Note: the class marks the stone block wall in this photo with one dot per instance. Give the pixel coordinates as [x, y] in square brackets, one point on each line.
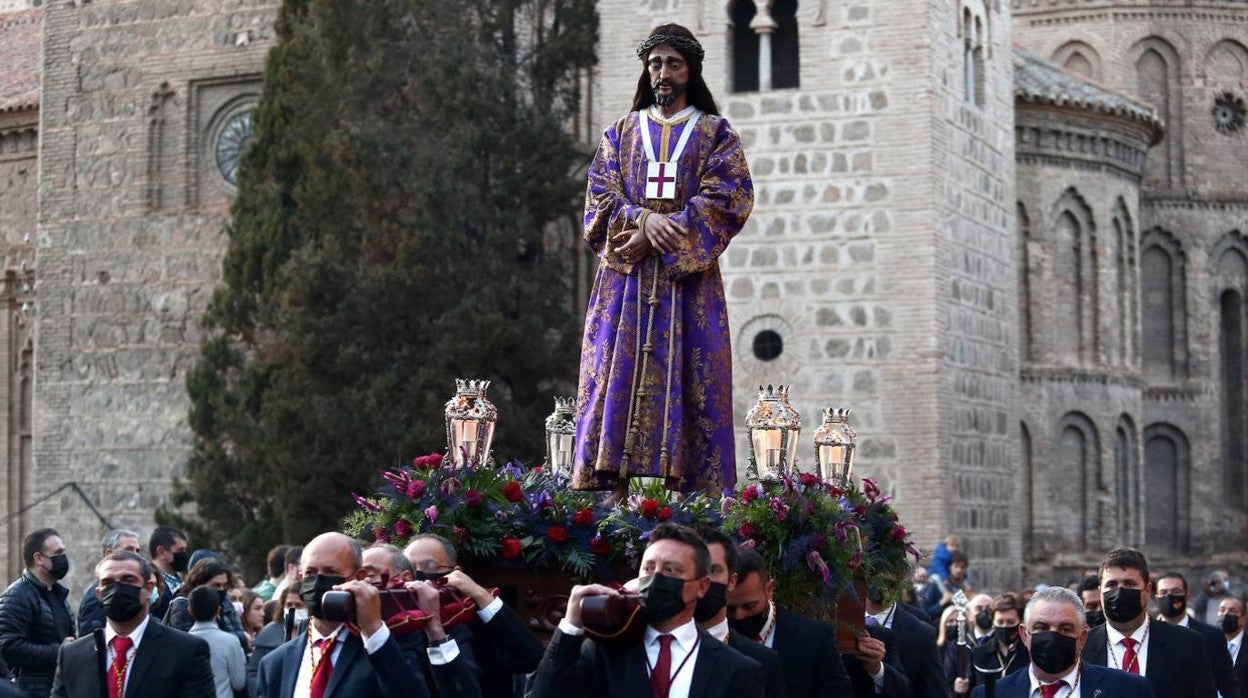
[130, 234]
[878, 250]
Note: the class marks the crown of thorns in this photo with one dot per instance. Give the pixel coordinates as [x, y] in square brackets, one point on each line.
[687, 46]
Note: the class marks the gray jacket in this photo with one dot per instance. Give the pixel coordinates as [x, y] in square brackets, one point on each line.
[229, 666]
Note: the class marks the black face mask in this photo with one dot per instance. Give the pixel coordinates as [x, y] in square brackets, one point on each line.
[1006, 635]
[1172, 606]
[1094, 618]
[662, 597]
[1229, 624]
[121, 602]
[312, 588]
[428, 576]
[712, 603]
[1121, 604]
[1053, 652]
[60, 566]
[749, 626]
[180, 561]
[983, 620]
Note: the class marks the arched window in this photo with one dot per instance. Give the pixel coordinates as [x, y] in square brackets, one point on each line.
[1078, 465]
[1029, 488]
[743, 47]
[1023, 258]
[1167, 479]
[1079, 58]
[1125, 478]
[1075, 336]
[1231, 283]
[1157, 82]
[764, 49]
[1123, 340]
[1163, 306]
[973, 28]
[785, 53]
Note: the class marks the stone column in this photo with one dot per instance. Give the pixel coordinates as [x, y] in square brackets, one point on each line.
[764, 26]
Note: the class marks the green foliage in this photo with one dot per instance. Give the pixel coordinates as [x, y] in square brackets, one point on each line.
[389, 235]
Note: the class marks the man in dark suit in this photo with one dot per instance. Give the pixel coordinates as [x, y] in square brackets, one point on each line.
[504, 646]
[916, 641]
[811, 662]
[673, 657]
[1004, 654]
[1054, 633]
[1231, 623]
[144, 658]
[1172, 599]
[711, 613]
[341, 664]
[877, 669]
[1172, 658]
[458, 677]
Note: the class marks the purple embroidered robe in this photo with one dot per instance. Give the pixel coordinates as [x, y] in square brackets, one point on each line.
[655, 355]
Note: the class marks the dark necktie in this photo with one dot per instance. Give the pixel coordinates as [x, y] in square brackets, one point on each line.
[1049, 690]
[1130, 661]
[322, 667]
[661, 675]
[117, 672]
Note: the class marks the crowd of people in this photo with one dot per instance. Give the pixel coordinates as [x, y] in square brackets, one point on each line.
[158, 621]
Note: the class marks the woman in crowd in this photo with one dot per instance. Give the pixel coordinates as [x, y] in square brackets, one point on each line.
[213, 572]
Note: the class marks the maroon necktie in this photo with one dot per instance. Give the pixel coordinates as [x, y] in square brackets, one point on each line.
[661, 675]
[322, 667]
[1130, 662]
[1049, 690]
[117, 672]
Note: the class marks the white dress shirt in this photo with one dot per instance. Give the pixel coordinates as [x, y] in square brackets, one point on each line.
[1116, 647]
[136, 636]
[769, 627]
[720, 630]
[684, 647]
[372, 643]
[1233, 646]
[491, 609]
[885, 617]
[1070, 690]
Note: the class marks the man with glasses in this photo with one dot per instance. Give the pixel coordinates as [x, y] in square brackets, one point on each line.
[1054, 634]
[1172, 600]
[1231, 623]
[504, 646]
[1173, 659]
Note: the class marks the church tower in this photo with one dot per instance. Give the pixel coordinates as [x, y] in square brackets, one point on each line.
[1172, 472]
[877, 270]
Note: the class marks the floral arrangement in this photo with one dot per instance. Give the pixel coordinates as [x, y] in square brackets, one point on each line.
[815, 537]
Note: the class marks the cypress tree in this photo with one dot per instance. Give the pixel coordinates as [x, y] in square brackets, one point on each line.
[391, 233]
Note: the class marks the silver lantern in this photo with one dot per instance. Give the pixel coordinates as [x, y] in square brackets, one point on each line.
[470, 420]
[561, 437]
[835, 443]
[774, 426]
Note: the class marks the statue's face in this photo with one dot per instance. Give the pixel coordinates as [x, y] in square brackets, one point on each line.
[669, 74]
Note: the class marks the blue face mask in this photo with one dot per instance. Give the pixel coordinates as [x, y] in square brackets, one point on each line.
[155, 596]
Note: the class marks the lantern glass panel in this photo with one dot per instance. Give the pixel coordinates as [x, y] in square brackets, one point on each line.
[767, 450]
[559, 448]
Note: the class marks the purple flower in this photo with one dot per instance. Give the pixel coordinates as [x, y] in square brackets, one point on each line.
[359, 499]
[870, 489]
[781, 509]
[431, 513]
[451, 486]
[513, 470]
[726, 505]
[500, 515]
[542, 500]
[749, 544]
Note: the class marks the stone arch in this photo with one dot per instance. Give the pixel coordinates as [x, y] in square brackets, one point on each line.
[1076, 468]
[1230, 281]
[1123, 287]
[1076, 338]
[1079, 58]
[1028, 476]
[1167, 472]
[742, 46]
[1126, 480]
[1023, 260]
[973, 29]
[1163, 306]
[1158, 70]
[1225, 64]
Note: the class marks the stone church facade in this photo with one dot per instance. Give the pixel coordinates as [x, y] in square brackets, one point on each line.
[1021, 268]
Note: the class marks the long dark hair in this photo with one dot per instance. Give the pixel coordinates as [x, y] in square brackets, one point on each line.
[698, 94]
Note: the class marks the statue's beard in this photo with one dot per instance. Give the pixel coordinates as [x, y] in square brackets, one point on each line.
[664, 99]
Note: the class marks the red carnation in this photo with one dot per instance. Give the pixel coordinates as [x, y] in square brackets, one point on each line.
[746, 530]
[665, 513]
[513, 492]
[600, 545]
[649, 508]
[537, 469]
[558, 534]
[584, 517]
[899, 532]
[808, 480]
[473, 498]
[415, 488]
[380, 535]
[749, 494]
[511, 548]
[430, 462]
[402, 528]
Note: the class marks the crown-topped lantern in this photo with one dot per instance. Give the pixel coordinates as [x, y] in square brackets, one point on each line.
[774, 426]
[561, 437]
[470, 420]
[835, 443]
